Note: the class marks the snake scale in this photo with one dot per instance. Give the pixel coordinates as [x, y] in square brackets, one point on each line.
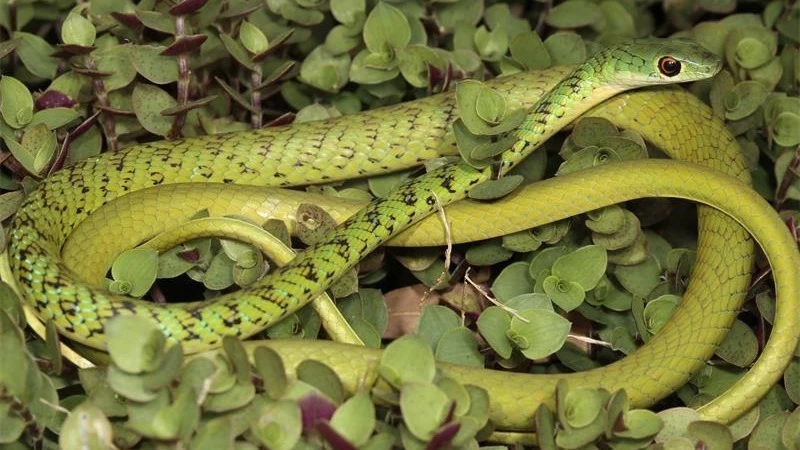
[403, 136]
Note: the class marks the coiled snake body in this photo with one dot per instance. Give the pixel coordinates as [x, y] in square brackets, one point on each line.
[403, 136]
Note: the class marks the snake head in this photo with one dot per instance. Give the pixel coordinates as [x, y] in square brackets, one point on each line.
[645, 62]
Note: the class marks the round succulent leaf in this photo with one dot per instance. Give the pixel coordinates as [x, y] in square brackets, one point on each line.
[137, 266]
[151, 64]
[424, 407]
[36, 55]
[493, 323]
[530, 301]
[472, 95]
[488, 253]
[490, 106]
[659, 310]
[521, 242]
[676, 421]
[744, 99]
[491, 45]
[589, 157]
[252, 38]
[767, 434]
[396, 361]
[451, 15]
[54, 117]
[85, 428]
[529, 50]
[323, 70]
[276, 424]
[790, 436]
[574, 14]
[566, 48]
[239, 395]
[577, 438]
[585, 266]
[752, 52]
[740, 346]
[348, 12]
[791, 380]
[769, 74]
[20, 374]
[544, 259]
[382, 185]
[623, 238]
[582, 406]
[16, 103]
[13, 424]
[456, 392]
[40, 145]
[362, 72]
[617, 22]
[167, 371]
[385, 29]
[77, 30]
[542, 334]
[591, 131]
[148, 103]
[134, 356]
[434, 322]
[710, 435]
[494, 189]
[459, 346]
[355, 419]
[606, 220]
[639, 279]
[639, 424]
[129, 386]
[512, 281]
[322, 377]
[786, 129]
[568, 295]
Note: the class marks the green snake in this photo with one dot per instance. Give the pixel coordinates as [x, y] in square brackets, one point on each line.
[400, 137]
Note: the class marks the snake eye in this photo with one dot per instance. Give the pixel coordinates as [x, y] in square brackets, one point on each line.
[669, 66]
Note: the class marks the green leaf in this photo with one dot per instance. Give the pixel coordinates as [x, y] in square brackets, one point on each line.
[355, 419]
[542, 335]
[386, 29]
[491, 45]
[585, 266]
[639, 279]
[148, 103]
[151, 64]
[574, 14]
[487, 253]
[16, 102]
[396, 361]
[321, 377]
[740, 346]
[566, 48]
[459, 346]
[325, 71]
[582, 406]
[786, 129]
[568, 295]
[434, 322]
[135, 356]
[348, 12]
[252, 38]
[640, 424]
[493, 189]
[512, 281]
[493, 324]
[85, 428]
[529, 50]
[36, 55]
[744, 99]
[424, 407]
[137, 267]
[54, 117]
[77, 30]
[659, 310]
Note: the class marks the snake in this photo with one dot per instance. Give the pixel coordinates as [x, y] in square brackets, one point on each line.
[404, 136]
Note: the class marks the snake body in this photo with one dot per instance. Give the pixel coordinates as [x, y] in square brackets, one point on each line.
[367, 142]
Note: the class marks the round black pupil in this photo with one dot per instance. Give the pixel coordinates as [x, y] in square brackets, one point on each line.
[670, 65]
